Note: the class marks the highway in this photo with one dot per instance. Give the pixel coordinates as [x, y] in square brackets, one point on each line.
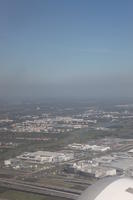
[42, 190]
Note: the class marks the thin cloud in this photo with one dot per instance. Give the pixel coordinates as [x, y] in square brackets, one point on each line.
[95, 50]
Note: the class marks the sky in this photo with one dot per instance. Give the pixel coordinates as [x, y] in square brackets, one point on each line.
[66, 48]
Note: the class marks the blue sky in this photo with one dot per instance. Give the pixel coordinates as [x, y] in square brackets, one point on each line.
[66, 48]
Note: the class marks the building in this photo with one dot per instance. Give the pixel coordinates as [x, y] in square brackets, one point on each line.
[45, 157]
[7, 162]
[92, 169]
[110, 189]
[98, 172]
[130, 151]
[77, 146]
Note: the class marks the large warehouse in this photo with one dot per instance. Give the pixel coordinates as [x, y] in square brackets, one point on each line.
[110, 189]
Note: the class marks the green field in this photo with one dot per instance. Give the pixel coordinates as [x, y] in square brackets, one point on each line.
[17, 195]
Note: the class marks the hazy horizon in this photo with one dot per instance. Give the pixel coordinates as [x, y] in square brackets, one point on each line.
[63, 48]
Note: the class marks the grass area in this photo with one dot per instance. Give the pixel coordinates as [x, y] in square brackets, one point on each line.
[17, 195]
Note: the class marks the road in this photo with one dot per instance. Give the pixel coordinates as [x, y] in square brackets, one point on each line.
[42, 190]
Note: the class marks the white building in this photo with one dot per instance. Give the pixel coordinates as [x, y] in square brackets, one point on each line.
[7, 162]
[77, 146]
[103, 172]
[45, 156]
[92, 168]
[130, 151]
